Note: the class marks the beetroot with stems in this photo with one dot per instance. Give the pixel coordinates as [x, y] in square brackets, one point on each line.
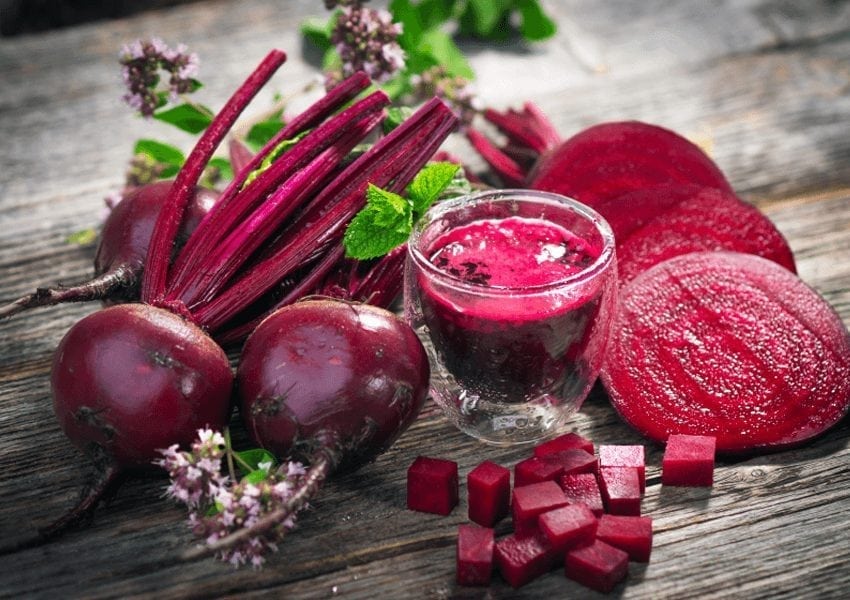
[728, 345]
[330, 382]
[122, 247]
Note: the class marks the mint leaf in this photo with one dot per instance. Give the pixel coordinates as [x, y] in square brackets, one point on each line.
[160, 152]
[485, 15]
[188, 117]
[429, 183]
[384, 223]
[396, 115]
[536, 25]
[255, 477]
[252, 458]
[318, 32]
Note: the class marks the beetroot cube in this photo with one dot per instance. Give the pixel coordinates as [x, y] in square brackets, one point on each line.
[567, 441]
[432, 485]
[568, 527]
[598, 566]
[574, 460]
[489, 489]
[620, 487]
[523, 558]
[582, 488]
[612, 455]
[632, 535]
[688, 460]
[474, 554]
[530, 501]
[534, 470]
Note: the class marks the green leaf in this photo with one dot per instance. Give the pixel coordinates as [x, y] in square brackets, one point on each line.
[84, 237]
[396, 115]
[536, 24]
[406, 13]
[429, 183]
[442, 49]
[255, 477]
[223, 165]
[485, 15]
[261, 132]
[188, 117]
[433, 13]
[255, 456]
[384, 223]
[160, 152]
[318, 32]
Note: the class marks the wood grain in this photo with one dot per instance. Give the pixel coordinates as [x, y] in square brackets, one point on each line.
[763, 85]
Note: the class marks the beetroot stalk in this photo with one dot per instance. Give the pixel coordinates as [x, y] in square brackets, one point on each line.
[326, 147]
[222, 218]
[505, 167]
[155, 274]
[412, 144]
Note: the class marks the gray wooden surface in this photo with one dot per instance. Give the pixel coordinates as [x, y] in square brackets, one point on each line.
[764, 85]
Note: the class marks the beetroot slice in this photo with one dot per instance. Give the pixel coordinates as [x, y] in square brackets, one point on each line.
[652, 225]
[610, 159]
[728, 345]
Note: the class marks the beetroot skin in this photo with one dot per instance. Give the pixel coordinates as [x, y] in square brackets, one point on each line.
[328, 374]
[610, 159]
[131, 379]
[727, 345]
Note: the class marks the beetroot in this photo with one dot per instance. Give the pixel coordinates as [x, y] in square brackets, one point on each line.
[474, 554]
[567, 441]
[632, 535]
[574, 460]
[598, 566]
[568, 527]
[583, 488]
[530, 501]
[728, 345]
[688, 460]
[488, 489]
[432, 485]
[523, 558]
[657, 223]
[534, 470]
[121, 251]
[620, 487]
[617, 455]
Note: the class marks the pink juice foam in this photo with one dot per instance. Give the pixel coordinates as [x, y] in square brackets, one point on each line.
[528, 327]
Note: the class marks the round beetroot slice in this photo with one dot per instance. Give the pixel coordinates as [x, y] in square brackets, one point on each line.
[610, 159]
[730, 345]
[670, 220]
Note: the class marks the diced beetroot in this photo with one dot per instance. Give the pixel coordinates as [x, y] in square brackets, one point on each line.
[583, 488]
[530, 501]
[632, 535]
[610, 159]
[522, 558]
[534, 470]
[568, 526]
[688, 460]
[574, 460]
[598, 566]
[653, 224]
[729, 345]
[568, 441]
[474, 554]
[432, 485]
[489, 493]
[620, 487]
[613, 455]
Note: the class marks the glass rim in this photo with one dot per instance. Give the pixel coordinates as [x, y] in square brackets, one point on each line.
[439, 209]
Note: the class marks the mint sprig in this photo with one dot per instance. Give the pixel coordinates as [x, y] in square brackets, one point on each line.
[388, 218]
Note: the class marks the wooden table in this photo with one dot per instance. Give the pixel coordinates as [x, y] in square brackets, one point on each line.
[763, 85]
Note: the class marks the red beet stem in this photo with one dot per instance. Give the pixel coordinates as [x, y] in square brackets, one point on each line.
[383, 281]
[223, 217]
[240, 155]
[98, 288]
[391, 162]
[234, 250]
[155, 275]
[323, 464]
[529, 128]
[507, 168]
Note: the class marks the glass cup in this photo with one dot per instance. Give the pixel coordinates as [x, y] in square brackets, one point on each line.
[511, 362]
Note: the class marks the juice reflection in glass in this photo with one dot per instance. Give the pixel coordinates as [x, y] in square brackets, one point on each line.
[512, 292]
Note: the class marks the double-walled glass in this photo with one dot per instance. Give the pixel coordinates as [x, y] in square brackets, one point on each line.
[511, 363]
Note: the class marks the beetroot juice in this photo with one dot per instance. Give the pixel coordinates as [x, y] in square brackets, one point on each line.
[512, 293]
